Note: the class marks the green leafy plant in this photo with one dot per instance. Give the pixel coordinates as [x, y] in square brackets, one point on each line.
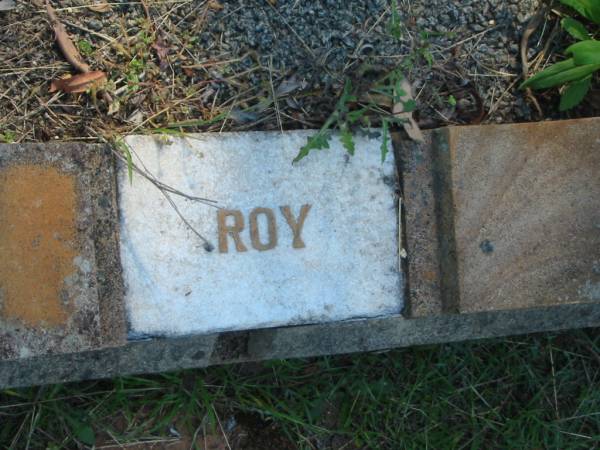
[8, 137]
[590, 9]
[124, 148]
[395, 26]
[576, 72]
[355, 113]
[85, 47]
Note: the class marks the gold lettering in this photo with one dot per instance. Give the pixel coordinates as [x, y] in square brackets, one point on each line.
[254, 237]
[230, 230]
[296, 225]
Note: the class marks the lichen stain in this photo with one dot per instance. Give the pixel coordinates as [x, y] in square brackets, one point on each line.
[37, 244]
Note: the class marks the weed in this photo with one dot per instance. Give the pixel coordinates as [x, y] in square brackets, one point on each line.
[395, 25]
[125, 150]
[134, 70]
[575, 73]
[85, 47]
[354, 112]
[8, 137]
[452, 100]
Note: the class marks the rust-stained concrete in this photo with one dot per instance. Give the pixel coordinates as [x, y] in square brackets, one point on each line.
[38, 244]
[59, 273]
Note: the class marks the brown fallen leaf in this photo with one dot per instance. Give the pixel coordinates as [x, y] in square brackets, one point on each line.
[100, 7]
[79, 83]
[410, 124]
[162, 51]
[215, 5]
[64, 42]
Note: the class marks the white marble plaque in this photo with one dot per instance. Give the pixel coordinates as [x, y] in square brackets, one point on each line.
[293, 244]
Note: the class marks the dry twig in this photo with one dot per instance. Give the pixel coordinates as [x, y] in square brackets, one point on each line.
[67, 47]
[167, 191]
[532, 25]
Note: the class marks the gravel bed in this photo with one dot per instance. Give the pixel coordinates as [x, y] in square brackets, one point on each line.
[230, 58]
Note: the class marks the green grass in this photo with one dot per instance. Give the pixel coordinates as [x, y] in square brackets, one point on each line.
[533, 392]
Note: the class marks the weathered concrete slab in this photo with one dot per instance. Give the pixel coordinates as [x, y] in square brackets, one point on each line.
[309, 243]
[445, 182]
[422, 226]
[527, 213]
[51, 300]
[160, 355]
[513, 217]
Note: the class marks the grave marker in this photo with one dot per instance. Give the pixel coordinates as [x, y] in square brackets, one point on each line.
[500, 236]
[309, 243]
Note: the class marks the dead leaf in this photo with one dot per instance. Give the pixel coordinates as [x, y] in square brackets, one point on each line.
[7, 5]
[137, 117]
[67, 47]
[410, 124]
[114, 107]
[290, 85]
[79, 83]
[377, 99]
[241, 116]
[162, 51]
[100, 7]
[215, 5]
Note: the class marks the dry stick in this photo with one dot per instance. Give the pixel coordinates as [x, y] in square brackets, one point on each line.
[166, 16]
[166, 191]
[221, 427]
[554, 384]
[362, 40]
[160, 185]
[147, 12]
[494, 106]
[532, 25]
[207, 245]
[547, 45]
[274, 95]
[194, 9]
[32, 112]
[68, 49]
[95, 33]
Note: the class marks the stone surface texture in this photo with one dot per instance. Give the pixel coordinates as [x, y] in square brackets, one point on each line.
[343, 263]
[527, 213]
[51, 300]
[513, 215]
[161, 355]
[421, 226]
[155, 355]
